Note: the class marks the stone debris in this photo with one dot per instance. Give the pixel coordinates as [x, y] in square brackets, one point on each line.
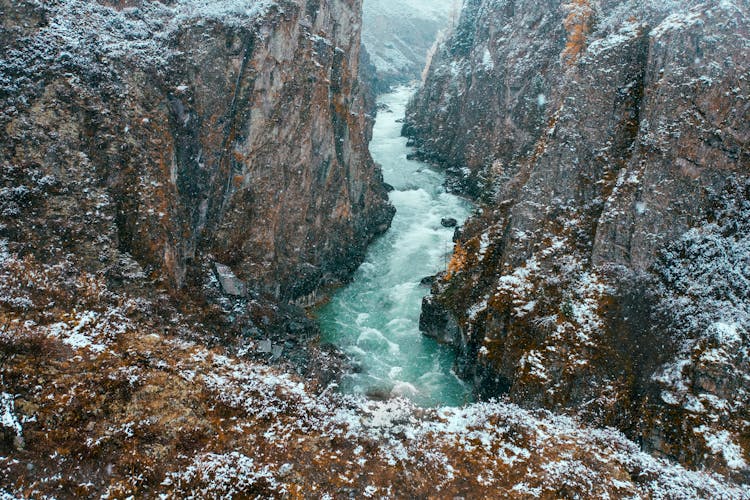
[230, 283]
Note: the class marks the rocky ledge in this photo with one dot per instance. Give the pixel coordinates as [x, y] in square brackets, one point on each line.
[607, 274]
[170, 133]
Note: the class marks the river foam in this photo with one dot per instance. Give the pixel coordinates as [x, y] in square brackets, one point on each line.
[375, 319]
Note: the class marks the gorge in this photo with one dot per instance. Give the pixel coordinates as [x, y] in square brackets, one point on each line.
[183, 183]
[376, 317]
[607, 276]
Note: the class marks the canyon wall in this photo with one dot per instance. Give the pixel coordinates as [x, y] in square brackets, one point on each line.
[182, 134]
[400, 35]
[606, 272]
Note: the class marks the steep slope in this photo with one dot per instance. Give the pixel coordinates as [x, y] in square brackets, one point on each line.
[196, 169]
[234, 131]
[608, 144]
[399, 35]
[152, 416]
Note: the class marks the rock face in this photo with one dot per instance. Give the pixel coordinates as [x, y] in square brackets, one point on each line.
[179, 134]
[607, 274]
[400, 35]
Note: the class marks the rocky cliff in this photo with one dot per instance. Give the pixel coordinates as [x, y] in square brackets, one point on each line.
[190, 168]
[184, 133]
[400, 35]
[181, 168]
[606, 273]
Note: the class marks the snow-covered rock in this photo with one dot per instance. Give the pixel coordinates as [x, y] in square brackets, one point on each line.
[606, 141]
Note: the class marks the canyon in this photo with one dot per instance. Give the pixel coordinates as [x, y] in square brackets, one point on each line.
[185, 134]
[171, 151]
[183, 182]
[400, 35]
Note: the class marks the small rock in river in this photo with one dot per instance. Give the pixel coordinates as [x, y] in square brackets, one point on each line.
[378, 394]
[448, 222]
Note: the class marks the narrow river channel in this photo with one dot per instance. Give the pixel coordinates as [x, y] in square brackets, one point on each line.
[375, 319]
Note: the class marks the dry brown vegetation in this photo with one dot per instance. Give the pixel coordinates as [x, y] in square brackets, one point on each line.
[111, 406]
[458, 261]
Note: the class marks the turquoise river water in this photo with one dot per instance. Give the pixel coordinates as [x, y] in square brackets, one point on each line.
[375, 318]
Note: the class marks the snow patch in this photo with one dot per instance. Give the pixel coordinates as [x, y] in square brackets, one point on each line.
[8, 417]
[625, 34]
[725, 333]
[675, 22]
[90, 330]
[672, 376]
[4, 254]
[534, 361]
[721, 443]
[487, 63]
[227, 474]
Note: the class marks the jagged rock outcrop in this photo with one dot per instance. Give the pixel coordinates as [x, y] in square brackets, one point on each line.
[181, 133]
[608, 145]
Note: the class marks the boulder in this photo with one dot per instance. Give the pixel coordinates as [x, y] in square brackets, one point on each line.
[427, 281]
[230, 283]
[437, 322]
[265, 347]
[448, 222]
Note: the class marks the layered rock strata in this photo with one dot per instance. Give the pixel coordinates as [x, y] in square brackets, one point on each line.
[606, 273]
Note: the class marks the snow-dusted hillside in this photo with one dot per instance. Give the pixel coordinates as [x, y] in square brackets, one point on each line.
[101, 405]
[175, 175]
[400, 34]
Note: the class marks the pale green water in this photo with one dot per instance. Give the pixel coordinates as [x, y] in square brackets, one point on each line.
[375, 319]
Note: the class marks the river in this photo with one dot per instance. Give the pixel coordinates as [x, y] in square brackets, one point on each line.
[375, 318]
